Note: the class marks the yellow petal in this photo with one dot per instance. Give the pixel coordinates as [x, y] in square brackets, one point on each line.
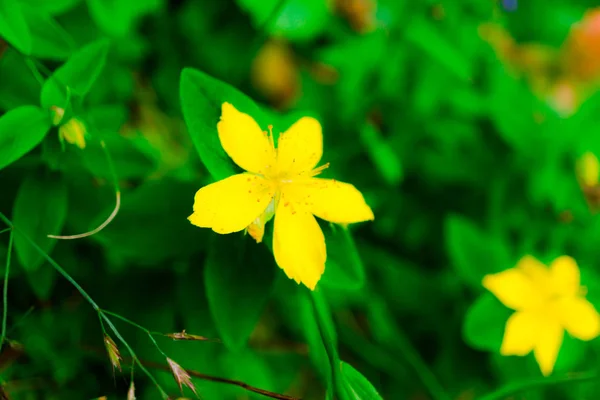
[537, 272]
[514, 289]
[300, 148]
[298, 244]
[244, 141]
[565, 276]
[579, 317]
[331, 200]
[549, 340]
[230, 205]
[520, 334]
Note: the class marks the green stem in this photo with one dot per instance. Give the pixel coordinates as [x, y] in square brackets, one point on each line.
[86, 296]
[518, 387]
[133, 355]
[5, 290]
[5, 230]
[325, 325]
[147, 331]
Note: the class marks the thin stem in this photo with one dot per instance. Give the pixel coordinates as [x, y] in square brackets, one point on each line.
[518, 387]
[139, 327]
[133, 355]
[211, 378]
[115, 211]
[86, 296]
[5, 290]
[5, 230]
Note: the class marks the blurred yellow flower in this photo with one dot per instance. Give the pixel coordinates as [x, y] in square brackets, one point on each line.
[588, 169]
[275, 73]
[279, 182]
[74, 132]
[547, 301]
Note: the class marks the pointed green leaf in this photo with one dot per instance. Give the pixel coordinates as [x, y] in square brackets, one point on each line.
[344, 268]
[13, 26]
[239, 276]
[201, 100]
[40, 210]
[473, 253]
[358, 386]
[53, 7]
[49, 39]
[78, 74]
[21, 130]
[484, 322]
[19, 86]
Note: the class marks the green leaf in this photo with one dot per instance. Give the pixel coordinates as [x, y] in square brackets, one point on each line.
[425, 35]
[53, 7]
[296, 20]
[344, 268]
[239, 276]
[13, 27]
[21, 130]
[382, 155]
[358, 386]
[484, 323]
[473, 253]
[78, 74]
[19, 86]
[40, 209]
[201, 100]
[49, 39]
[116, 17]
[42, 281]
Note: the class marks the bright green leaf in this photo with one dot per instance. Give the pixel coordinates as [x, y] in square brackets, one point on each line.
[19, 86]
[21, 130]
[425, 35]
[49, 39]
[483, 327]
[238, 276]
[382, 155]
[201, 100]
[78, 74]
[294, 19]
[358, 386]
[40, 209]
[13, 27]
[53, 7]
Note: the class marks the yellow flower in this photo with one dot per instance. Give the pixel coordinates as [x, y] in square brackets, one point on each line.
[279, 182]
[588, 169]
[73, 132]
[547, 301]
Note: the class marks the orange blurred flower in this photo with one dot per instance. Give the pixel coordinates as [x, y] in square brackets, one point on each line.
[565, 77]
[359, 13]
[274, 72]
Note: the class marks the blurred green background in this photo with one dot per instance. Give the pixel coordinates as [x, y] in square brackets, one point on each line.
[460, 121]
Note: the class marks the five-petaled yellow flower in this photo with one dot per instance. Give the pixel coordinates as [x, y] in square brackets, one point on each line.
[547, 301]
[278, 182]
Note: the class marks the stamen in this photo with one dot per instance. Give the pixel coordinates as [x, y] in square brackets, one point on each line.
[318, 170]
